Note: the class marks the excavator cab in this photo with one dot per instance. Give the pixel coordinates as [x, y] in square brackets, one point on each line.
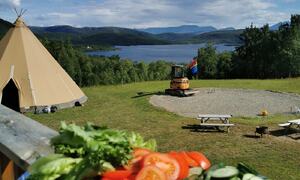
[178, 79]
[177, 71]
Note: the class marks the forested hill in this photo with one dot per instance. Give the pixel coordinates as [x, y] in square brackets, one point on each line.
[122, 36]
[221, 36]
[4, 26]
[98, 36]
[184, 29]
[217, 37]
[91, 35]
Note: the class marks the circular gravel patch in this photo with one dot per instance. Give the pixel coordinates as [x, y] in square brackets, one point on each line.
[237, 102]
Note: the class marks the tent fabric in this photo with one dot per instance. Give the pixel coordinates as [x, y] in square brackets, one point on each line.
[40, 80]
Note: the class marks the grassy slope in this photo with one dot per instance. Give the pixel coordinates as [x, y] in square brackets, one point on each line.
[114, 106]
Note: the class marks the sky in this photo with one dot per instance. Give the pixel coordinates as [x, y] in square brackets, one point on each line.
[151, 13]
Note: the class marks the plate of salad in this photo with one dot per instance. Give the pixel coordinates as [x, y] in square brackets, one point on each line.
[93, 152]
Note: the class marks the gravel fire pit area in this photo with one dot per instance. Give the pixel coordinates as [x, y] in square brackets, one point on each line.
[237, 102]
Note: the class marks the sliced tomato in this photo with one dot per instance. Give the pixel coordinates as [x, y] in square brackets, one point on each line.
[151, 172]
[200, 158]
[165, 163]
[191, 162]
[137, 152]
[121, 168]
[131, 177]
[184, 166]
[135, 163]
[116, 175]
[103, 178]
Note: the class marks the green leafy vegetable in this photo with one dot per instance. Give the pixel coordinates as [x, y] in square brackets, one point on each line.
[103, 148]
[80, 171]
[52, 167]
[137, 141]
[87, 151]
[108, 146]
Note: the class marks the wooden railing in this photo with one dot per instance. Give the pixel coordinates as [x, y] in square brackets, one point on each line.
[22, 141]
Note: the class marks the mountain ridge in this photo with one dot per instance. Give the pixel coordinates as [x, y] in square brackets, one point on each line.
[111, 36]
[183, 29]
[4, 26]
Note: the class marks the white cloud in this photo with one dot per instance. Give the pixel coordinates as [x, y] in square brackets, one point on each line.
[61, 15]
[289, 1]
[153, 13]
[10, 3]
[241, 13]
[131, 13]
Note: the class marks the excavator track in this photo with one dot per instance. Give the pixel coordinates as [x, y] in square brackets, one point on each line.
[180, 92]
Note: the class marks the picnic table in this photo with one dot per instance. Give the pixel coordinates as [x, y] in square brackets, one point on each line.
[291, 123]
[219, 126]
[295, 122]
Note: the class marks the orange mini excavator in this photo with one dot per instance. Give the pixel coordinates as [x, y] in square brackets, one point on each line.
[179, 85]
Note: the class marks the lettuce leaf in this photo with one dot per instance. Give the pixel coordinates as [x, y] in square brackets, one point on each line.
[137, 141]
[52, 166]
[87, 151]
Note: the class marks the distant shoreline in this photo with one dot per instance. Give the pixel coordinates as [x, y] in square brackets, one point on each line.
[179, 53]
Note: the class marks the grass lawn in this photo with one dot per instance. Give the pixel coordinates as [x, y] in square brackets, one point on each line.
[115, 107]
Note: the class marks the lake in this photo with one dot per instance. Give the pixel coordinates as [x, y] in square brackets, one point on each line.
[179, 53]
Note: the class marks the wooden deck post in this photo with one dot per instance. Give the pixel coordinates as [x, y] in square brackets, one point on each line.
[8, 171]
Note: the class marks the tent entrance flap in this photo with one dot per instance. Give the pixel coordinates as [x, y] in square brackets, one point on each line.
[10, 96]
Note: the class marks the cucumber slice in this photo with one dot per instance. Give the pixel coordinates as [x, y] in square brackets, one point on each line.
[248, 176]
[195, 170]
[235, 178]
[193, 177]
[212, 169]
[226, 172]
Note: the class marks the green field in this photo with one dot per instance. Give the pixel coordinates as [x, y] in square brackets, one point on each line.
[117, 107]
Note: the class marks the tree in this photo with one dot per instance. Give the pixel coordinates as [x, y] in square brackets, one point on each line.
[142, 71]
[159, 70]
[207, 61]
[247, 55]
[269, 54]
[224, 65]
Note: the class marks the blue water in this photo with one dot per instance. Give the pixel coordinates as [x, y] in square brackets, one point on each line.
[179, 53]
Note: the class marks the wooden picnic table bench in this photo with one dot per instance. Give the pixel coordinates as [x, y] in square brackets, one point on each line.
[289, 124]
[205, 117]
[296, 121]
[219, 126]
